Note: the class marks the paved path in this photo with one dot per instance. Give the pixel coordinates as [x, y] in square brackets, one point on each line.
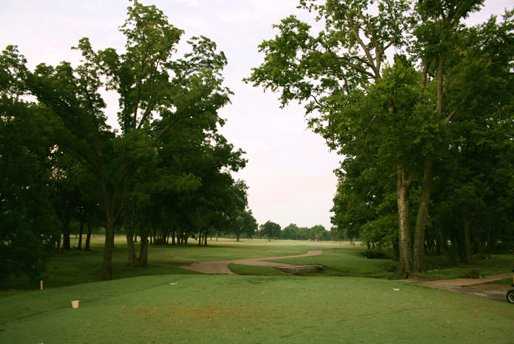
[483, 287]
[464, 282]
[221, 266]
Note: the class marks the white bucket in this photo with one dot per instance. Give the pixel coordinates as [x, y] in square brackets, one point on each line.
[75, 304]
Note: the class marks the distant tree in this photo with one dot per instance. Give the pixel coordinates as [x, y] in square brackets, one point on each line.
[318, 233]
[244, 224]
[270, 230]
[291, 232]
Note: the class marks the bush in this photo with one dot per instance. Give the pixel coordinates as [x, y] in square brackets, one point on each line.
[374, 254]
[473, 273]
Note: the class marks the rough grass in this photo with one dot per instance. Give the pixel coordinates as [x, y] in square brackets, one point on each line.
[242, 309]
[484, 266]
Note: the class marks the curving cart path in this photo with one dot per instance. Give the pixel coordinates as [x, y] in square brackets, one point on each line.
[221, 266]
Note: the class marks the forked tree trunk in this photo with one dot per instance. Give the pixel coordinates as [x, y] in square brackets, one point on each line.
[422, 218]
[424, 202]
[402, 189]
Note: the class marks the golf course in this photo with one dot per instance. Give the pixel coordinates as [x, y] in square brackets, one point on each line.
[257, 172]
[352, 300]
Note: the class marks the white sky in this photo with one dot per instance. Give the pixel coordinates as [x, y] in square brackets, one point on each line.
[290, 170]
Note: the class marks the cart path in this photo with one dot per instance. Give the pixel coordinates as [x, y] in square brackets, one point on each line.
[221, 266]
[464, 282]
[483, 287]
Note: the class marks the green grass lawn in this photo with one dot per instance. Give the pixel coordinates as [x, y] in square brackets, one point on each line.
[247, 270]
[75, 267]
[244, 309]
[338, 258]
[347, 261]
[492, 265]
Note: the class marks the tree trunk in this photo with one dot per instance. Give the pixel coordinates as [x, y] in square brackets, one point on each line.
[440, 86]
[108, 247]
[131, 248]
[422, 218]
[81, 231]
[466, 252]
[237, 236]
[88, 237]
[66, 234]
[402, 188]
[143, 250]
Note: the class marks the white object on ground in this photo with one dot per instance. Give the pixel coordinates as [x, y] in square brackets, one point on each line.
[396, 289]
[75, 304]
[174, 283]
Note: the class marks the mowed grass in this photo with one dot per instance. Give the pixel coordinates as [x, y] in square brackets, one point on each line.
[76, 267]
[245, 309]
[347, 261]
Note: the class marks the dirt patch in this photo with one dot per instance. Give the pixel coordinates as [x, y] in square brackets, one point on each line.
[221, 266]
[483, 287]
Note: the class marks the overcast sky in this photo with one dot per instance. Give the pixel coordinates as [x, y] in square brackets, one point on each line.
[290, 170]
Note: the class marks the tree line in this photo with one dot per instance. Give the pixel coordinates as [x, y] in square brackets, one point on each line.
[272, 230]
[163, 176]
[420, 107]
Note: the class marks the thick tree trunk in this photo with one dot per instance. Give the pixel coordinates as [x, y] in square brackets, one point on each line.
[143, 250]
[238, 235]
[402, 189]
[422, 218]
[108, 247]
[81, 231]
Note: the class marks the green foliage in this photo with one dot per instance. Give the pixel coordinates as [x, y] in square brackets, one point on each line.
[293, 232]
[270, 230]
[27, 219]
[167, 173]
[435, 120]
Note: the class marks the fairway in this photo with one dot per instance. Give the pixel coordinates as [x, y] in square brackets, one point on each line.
[237, 309]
